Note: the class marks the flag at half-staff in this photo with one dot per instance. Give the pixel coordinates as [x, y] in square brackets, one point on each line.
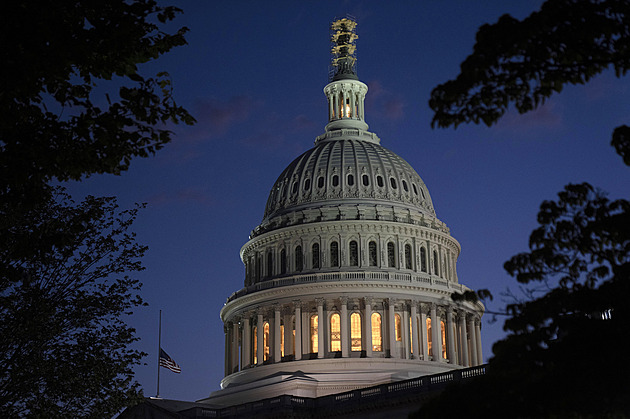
[167, 362]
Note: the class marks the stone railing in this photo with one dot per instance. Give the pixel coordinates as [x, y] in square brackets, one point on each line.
[349, 399]
[394, 277]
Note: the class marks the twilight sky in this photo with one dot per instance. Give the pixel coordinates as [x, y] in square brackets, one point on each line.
[253, 74]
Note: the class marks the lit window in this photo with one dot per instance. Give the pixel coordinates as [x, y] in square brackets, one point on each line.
[391, 257]
[443, 327]
[429, 340]
[377, 336]
[281, 340]
[334, 254]
[411, 334]
[355, 332]
[408, 256]
[266, 341]
[335, 333]
[373, 253]
[315, 251]
[299, 260]
[314, 334]
[398, 326]
[354, 253]
[350, 180]
[255, 351]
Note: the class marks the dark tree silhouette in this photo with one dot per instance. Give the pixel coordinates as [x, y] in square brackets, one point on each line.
[73, 104]
[559, 356]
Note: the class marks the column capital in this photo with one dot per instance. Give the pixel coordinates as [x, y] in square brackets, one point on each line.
[344, 300]
[413, 303]
[277, 307]
[319, 301]
[368, 301]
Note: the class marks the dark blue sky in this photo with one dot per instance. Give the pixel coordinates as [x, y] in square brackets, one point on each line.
[253, 75]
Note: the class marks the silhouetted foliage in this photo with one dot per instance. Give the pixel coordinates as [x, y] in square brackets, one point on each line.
[559, 358]
[74, 103]
[64, 350]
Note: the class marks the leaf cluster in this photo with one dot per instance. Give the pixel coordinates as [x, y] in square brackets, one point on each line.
[65, 350]
[73, 100]
[523, 62]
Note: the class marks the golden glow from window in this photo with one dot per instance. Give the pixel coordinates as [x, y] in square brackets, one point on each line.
[443, 327]
[377, 336]
[266, 341]
[398, 327]
[255, 351]
[411, 334]
[429, 340]
[355, 332]
[314, 334]
[335, 333]
[281, 340]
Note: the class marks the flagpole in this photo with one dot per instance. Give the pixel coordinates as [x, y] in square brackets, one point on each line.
[158, 355]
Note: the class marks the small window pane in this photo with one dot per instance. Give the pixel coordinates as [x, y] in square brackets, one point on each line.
[334, 254]
[373, 254]
[391, 257]
[299, 259]
[423, 259]
[408, 256]
[315, 251]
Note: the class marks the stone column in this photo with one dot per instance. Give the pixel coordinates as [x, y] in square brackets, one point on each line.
[234, 348]
[464, 339]
[473, 342]
[320, 328]
[246, 344]
[478, 339]
[435, 333]
[450, 338]
[260, 335]
[368, 326]
[298, 330]
[277, 354]
[345, 333]
[391, 326]
[414, 330]
[288, 328]
[424, 333]
[227, 350]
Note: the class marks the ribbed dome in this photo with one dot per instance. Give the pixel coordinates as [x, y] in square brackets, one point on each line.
[347, 170]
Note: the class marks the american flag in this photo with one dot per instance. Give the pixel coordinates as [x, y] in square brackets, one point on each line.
[168, 362]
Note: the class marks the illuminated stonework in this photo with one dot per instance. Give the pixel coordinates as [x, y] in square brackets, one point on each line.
[348, 277]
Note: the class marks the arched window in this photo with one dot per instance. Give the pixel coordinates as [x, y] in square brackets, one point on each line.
[393, 183]
[314, 334]
[320, 182]
[398, 327]
[379, 181]
[334, 254]
[373, 253]
[281, 340]
[350, 180]
[366, 180]
[429, 338]
[335, 180]
[408, 256]
[266, 341]
[269, 264]
[258, 267]
[391, 255]
[377, 333]
[283, 261]
[405, 187]
[315, 251]
[436, 264]
[443, 327]
[354, 253]
[294, 188]
[415, 190]
[255, 349]
[307, 184]
[355, 332]
[335, 333]
[423, 259]
[299, 259]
